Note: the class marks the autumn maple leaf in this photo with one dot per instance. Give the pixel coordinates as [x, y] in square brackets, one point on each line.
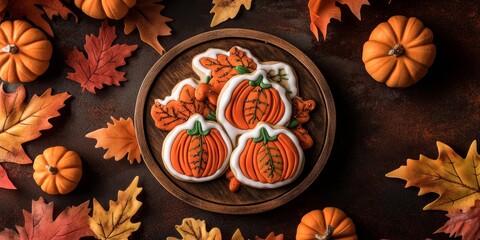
[321, 11]
[4, 181]
[271, 236]
[34, 9]
[103, 59]
[196, 229]
[119, 139]
[116, 222]
[465, 224]
[22, 122]
[72, 223]
[455, 179]
[146, 17]
[225, 9]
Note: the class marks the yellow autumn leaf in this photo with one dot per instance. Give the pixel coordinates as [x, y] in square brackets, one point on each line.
[119, 139]
[116, 222]
[237, 235]
[455, 179]
[194, 229]
[225, 9]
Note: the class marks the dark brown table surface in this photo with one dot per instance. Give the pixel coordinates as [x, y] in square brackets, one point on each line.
[378, 128]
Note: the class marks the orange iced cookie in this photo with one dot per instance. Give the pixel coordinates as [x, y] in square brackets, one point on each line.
[267, 157]
[197, 150]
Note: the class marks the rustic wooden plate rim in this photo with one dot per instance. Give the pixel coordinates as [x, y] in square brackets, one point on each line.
[243, 34]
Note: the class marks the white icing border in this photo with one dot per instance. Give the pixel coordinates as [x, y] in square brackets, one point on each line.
[291, 85]
[177, 90]
[255, 133]
[226, 94]
[169, 139]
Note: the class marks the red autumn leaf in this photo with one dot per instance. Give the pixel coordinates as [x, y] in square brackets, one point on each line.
[72, 223]
[4, 181]
[34, 9]
[465, 224]
[321, 11]
[103, 59]
[150, 23]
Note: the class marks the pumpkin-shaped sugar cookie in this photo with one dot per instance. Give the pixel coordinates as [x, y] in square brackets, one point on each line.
[247, 100]
[187, 99]
[197, 150]
[267, 157]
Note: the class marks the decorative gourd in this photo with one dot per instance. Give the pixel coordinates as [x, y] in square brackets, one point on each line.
[329, 223]
[197, 150]
[247, 100]
[25, 54]
[267, 157]
[100, 9]
[58, 170]
[399, 52]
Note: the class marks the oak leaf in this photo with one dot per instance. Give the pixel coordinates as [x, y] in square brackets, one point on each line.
[34, 9]
[465, 224]
[119, 139]
[72, 223]
[271, 236]
[146, 17]
[455, 179]
[116, 222]
[225, 9]
[194, 229]
[22, 122]
[103, 59]
[4, 181]
[321, 11]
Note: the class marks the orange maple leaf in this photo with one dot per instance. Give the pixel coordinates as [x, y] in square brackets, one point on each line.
[22, 122]
[321, 11]
[150, 23]
[71, 223]
[119, 139]
[455, 179]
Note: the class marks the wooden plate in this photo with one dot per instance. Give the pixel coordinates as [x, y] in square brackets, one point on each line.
[215, 196]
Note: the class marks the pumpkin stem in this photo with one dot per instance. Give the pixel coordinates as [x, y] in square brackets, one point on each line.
[10, 48]
[327, 235]
[197, 130]
[397, 50]
[264, 137]
[241, 69]
[52, 170]
[259, 82]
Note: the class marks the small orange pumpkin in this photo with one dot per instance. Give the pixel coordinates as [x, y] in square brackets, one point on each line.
[25, 54]
[399, 52]
[197, 150]
[58, 170]
[329, 223]
[101, 9]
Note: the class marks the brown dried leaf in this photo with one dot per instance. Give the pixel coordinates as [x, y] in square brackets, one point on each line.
[119, 139]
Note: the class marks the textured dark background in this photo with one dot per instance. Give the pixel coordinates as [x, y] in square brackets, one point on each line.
[378, 128]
